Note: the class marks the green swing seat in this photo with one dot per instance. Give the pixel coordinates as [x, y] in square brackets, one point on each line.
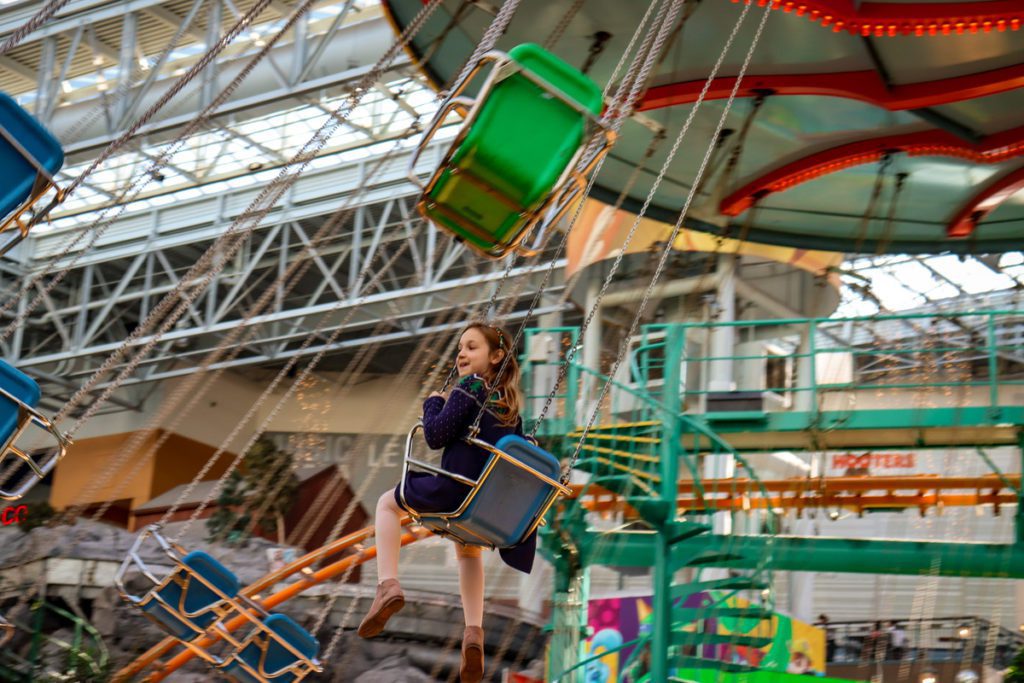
[516, 156]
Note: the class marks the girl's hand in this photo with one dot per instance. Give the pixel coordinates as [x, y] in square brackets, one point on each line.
[439, 394]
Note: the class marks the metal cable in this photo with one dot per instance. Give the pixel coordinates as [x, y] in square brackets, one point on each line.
[217, 255]
[623, 347]
[41, 17]
[559, 30]
[119, 204]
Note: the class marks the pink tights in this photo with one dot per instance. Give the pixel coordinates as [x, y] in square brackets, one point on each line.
[471, 565]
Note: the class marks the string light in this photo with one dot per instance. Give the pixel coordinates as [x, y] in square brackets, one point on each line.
[903, 18]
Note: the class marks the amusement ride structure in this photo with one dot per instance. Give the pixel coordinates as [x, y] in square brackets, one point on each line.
[641, 159]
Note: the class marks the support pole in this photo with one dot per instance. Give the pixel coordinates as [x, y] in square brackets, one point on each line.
[568, 619]
[669, 470]
[1019, 520]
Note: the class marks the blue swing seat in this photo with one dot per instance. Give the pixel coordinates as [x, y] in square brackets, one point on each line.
[21, 387]
[264, 657]
[506, 503]
[22, 180]
[19, 398]
[183, 605]
[510, 500]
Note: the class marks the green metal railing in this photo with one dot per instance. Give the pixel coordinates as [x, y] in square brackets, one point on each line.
[939, 352]
[964, 358]
[639, 457]
[85, 656]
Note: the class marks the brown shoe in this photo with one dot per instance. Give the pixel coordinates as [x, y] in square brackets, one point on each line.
[389, 600]
[472, 655]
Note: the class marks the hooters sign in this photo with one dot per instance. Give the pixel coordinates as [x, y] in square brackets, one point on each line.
[873, 461]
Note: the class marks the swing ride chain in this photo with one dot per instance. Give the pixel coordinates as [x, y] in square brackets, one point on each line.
[571, 353]
[489, 40]
[40, 18]
[559, 30]
[635, 79]
[120, 204]
[617, 112]
[234, 236]
[289, 279]
[624, 345]
[330, 225]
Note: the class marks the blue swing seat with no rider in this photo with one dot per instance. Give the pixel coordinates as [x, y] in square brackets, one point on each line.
[508, 501]
[262, 658]
[20, 176]
[18, 404]
[183, 605]
[20, 386]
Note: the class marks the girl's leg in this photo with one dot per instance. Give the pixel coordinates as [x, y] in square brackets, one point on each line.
[471, 583]
[389, 536]
[389, 598]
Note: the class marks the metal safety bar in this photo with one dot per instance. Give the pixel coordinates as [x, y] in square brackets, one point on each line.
[475, 484]
[27, 415]
[227, 606]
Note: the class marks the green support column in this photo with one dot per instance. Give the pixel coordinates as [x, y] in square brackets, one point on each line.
[669, 470]
[568, 620]
[1019, 522]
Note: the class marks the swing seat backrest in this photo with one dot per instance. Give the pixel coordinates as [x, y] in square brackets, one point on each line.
[182, 604]
[19, 173]
[264, 658]
[23, 388]
[515, 151]
[509, 499]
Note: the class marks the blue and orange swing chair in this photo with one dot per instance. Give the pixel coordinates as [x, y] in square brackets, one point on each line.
[195, 598]
[505, 504]
[30, 157]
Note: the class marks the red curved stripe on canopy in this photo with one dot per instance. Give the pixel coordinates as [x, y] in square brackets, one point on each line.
[985, 202]
[906, 18]
[993, 149]
[865, 86]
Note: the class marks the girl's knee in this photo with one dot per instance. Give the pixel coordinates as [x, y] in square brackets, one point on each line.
[467, 552]
[387, 501]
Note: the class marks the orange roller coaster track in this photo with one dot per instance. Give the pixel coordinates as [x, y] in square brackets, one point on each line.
[309, 579]
[860, 494]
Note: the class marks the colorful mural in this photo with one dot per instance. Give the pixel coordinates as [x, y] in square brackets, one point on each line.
[797, 647]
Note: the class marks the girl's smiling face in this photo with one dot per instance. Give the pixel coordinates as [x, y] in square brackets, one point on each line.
[475, 355]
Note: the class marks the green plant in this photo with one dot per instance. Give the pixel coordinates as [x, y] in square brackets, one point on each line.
[39, 514]
[1015, 674]
[257, 495]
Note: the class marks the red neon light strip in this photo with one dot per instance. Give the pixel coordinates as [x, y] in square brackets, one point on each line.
[865, 86]
[906, 18]
[985, 202]
[993, 149]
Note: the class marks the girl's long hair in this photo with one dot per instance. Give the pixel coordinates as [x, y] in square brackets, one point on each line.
[508, 399]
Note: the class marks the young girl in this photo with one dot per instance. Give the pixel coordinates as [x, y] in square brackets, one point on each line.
[446, 420]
